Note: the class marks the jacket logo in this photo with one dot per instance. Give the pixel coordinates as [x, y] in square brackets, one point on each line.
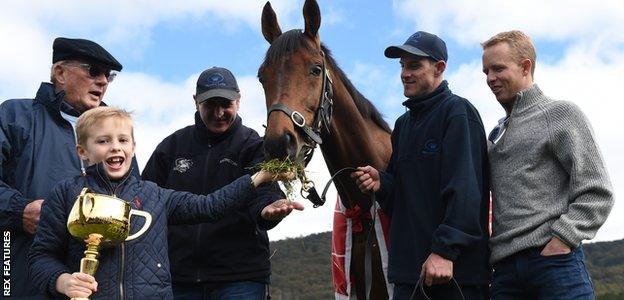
[228, 161]
[182, 165]
[137, 202]
[431, 147]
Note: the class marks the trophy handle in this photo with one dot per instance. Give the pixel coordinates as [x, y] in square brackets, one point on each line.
[81, 197]
[148, 222]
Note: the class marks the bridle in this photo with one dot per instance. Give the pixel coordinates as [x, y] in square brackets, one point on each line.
[312, 133]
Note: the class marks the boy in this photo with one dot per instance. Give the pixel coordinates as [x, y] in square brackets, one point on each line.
[139, 268]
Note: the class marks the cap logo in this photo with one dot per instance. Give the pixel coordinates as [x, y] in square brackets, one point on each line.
[215, 79]
[415, 36]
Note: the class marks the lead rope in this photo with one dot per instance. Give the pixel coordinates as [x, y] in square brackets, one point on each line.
[421, 283]
[367, 252]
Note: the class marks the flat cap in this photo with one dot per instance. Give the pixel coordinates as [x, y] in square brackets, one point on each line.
[64, 49]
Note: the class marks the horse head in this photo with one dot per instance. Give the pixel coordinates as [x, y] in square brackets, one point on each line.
[297, 86]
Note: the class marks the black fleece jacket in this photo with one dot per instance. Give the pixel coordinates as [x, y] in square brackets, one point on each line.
[436, 188]
[235, 248]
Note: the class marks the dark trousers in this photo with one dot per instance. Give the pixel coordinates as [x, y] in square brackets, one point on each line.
[529, 275]
[447, 291]
[241, 290]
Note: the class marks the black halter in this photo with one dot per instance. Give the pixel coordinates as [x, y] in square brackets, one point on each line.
[312, 133]
[322, 117]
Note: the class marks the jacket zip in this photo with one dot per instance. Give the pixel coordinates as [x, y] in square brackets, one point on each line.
[112, 191]
[199, 228]
[106, 181]
[121, 267]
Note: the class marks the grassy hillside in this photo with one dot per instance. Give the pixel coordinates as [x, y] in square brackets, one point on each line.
[302, 268]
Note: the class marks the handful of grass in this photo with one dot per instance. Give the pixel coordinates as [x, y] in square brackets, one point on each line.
[279, 166]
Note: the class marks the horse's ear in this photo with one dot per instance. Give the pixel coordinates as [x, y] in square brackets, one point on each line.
[312, 16]
[270, 28]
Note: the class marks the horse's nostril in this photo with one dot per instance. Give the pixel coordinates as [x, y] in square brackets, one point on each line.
[289, 137]
[291, 144]
[280, 147]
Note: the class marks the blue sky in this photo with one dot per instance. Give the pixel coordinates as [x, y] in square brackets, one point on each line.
[164, 45]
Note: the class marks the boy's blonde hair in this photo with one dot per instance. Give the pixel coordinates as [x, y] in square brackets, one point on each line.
[91, 117]
[520, 44]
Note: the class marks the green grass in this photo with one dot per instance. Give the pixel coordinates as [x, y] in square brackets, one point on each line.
[279, 166]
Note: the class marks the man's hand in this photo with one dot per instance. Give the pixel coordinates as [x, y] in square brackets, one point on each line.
[76, 285]
[367, 179]
[437, 270]
[555, 247]
[280, 209]
[30, 217]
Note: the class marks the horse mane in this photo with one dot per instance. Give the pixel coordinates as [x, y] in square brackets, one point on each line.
[293, 40]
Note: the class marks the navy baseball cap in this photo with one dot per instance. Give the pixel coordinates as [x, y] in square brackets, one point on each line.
[216, 82]
[420, 44]
[64, 49]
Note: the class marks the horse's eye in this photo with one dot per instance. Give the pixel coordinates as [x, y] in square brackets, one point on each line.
[316, 70]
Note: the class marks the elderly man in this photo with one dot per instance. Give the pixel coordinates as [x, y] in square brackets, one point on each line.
[436, 185]
[228, 259]
[38, 144]
[550, 188]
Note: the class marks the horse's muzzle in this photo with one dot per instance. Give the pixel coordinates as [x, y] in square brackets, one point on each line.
[281, 147]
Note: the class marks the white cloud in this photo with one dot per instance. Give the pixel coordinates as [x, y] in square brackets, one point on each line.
[471, 21]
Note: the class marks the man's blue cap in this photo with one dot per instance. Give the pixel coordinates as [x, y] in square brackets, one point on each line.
[420, 44]
[66, 49]
[216, 82]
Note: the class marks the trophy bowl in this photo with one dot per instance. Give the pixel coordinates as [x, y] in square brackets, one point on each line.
[105, 215]
[102, 221]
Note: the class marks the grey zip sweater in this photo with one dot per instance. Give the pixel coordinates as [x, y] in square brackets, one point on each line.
[547, 177]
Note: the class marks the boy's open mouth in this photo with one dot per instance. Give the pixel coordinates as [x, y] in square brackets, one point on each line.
[115, 162]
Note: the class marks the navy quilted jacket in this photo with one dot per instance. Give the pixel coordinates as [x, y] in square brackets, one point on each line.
[38, 150]
[137, 269]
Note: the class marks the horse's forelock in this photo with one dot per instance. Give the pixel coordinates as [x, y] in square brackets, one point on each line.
[285, 45]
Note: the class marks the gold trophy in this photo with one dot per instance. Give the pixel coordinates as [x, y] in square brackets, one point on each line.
[101, 221]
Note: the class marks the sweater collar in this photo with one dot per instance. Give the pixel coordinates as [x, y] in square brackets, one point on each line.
[425, 102]
[204, 135]
[527, 98]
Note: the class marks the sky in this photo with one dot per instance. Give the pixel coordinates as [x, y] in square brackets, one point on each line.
[165, 45]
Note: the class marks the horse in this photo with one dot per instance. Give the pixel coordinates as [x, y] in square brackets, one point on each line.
[311, 101]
